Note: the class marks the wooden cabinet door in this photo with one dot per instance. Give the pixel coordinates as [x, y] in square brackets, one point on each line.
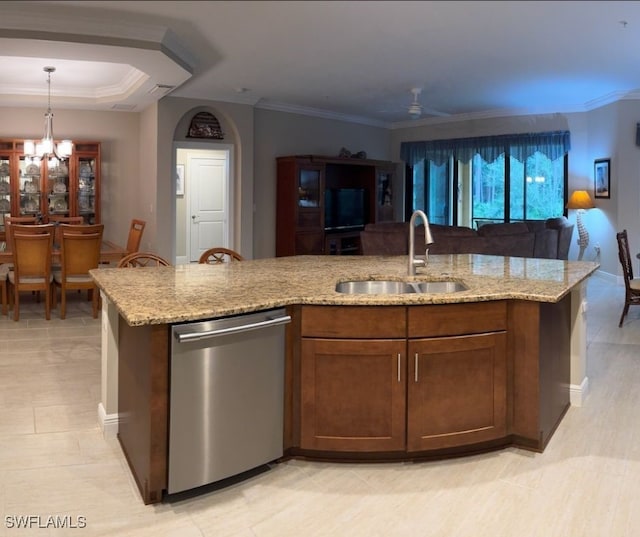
[353, 395]
[457, 390]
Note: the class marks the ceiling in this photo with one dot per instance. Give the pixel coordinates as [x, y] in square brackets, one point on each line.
[352, 60]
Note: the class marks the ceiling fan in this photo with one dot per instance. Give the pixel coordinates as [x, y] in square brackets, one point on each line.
[415, 108]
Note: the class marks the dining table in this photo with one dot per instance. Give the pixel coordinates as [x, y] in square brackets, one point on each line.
[109, 253]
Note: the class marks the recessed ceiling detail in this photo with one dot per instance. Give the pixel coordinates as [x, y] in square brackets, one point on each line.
[96, 71]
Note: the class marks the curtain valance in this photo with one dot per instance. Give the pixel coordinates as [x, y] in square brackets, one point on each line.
[520, 146]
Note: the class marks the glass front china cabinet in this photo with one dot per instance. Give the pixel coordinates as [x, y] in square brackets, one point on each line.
[6, 189]
[45, 188]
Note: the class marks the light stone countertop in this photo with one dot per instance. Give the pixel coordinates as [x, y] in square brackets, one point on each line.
[164, 295]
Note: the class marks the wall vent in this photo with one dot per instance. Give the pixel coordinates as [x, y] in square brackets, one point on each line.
[124, 107]
[161, 89]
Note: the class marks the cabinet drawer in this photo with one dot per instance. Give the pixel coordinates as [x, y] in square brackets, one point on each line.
[456, 319]
[354, 321]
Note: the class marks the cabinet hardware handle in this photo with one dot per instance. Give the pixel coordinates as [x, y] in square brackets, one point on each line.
[399, 359]
[415, 358]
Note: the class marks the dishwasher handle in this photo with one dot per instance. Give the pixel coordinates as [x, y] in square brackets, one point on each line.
[196, 336]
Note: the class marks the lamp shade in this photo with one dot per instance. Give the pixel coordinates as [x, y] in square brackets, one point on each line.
[580, 199]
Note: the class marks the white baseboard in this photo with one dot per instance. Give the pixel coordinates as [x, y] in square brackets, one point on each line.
[182, 260]
[108, 422]
[578, 392]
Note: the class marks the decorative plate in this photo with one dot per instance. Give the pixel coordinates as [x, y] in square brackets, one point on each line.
[31, 206]
[59, 187]
[84, 204]
[32, 169]
[5, 206]
[86, 170]
[4, 187]
[60, 205]
[4, 169]
[31, 188]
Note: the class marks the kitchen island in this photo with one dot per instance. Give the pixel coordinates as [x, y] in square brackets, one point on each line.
[367, 377]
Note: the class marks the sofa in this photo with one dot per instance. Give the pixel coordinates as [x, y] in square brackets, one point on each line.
[547, 239]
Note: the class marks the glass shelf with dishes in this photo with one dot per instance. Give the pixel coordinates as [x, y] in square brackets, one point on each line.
[58, 179]
[86, 204]
[5, 188]
[86, 192]
[30, 204]
[59, 203]
[31, 186]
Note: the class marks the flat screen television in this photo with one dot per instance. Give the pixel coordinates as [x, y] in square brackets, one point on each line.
[344, 208]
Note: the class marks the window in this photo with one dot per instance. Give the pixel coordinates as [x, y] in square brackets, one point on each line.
[431, 191]
[499, 179]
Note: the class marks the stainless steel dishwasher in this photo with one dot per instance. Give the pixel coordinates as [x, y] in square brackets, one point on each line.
[226, 397]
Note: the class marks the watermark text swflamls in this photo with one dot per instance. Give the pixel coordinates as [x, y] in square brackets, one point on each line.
[45, 522]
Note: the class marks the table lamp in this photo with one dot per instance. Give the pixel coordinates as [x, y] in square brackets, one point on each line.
[581, 200]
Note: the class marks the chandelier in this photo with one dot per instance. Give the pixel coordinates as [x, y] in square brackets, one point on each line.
[46, 147]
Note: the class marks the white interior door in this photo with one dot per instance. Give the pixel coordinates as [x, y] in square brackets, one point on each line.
[209, 203]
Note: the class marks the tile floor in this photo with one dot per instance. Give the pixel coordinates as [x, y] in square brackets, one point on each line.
[54, 461]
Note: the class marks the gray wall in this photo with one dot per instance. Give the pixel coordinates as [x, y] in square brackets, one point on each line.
[607, 132]
[281, 134]
[137, 162]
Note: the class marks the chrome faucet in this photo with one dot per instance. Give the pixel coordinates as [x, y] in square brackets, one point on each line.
[428, 239]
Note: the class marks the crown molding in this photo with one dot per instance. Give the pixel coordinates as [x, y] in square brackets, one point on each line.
[266, 104]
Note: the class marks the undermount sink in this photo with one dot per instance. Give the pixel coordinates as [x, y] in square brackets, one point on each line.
[393, 287]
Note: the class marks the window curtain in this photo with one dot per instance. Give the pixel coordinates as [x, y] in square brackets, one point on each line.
[520, 146]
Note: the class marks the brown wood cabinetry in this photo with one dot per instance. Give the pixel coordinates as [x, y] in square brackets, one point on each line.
[380, 382]
[309, 184]
[403, 379]
[353, 378]
[354, 394]
[457, 378]
[457, 391]
[30, 187]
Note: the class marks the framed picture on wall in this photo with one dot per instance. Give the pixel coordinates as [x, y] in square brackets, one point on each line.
[602, 178]
[180, 180]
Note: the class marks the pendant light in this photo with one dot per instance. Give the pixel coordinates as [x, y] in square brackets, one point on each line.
[46, 147]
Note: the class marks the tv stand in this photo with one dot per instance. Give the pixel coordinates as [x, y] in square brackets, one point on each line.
[300, 207]
[342, 243]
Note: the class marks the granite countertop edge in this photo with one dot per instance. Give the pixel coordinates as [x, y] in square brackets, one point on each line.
[169, 295]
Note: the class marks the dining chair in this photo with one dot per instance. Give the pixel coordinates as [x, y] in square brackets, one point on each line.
[631, 284]
[31, 246]
[20, 220]
[57, 220]
[142, 259]
[135, 235]
[79, 253]
[218, 254]
[4, 278]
